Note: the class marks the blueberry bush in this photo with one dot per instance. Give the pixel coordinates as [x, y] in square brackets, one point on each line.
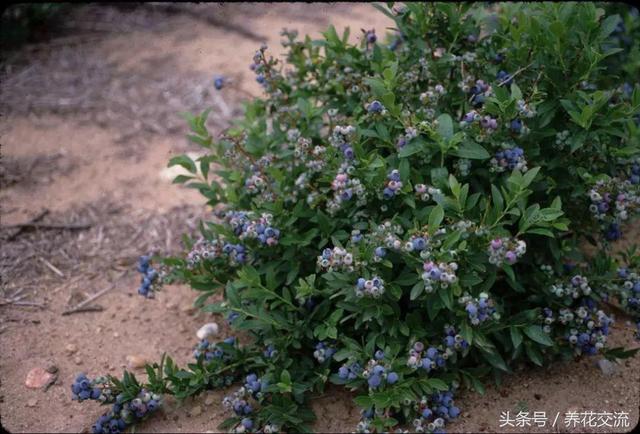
[409, 216]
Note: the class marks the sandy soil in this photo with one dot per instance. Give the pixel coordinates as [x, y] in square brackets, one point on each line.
[89, 124]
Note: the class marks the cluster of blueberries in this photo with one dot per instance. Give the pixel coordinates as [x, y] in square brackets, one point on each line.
[478, 309]
[210, 350]
[149, 277]
[350, 371]
[435, 411]
[631, 293]
[123, 414]
[393, 185]
[376, 372]
[577, 286]
[323, 352]
[204, 249]
[255, 385]
[270, 352]
[424, 192]
[504, 77]
[512, 158]
[613, 200]
[486, 122]
[344, 188]
[244, 226]
[441, 274]
[417, 243]
[587, 327]
[453, 340]
[505, 250]
[425, 358]
[478, 93]
[336, 259]
[257, 67]
[373, 287]
[83, 389]
[238, 403]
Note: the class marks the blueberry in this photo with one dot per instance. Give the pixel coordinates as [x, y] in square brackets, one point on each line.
[432, 353]
[454, 412]
[379, 355]
[426, 364]
[374, 381]
[427, 413]
[247, 423]
[392, 378]
[504, 77]
[388, 193]
[471, 309]
[375, 107]
[218, 83]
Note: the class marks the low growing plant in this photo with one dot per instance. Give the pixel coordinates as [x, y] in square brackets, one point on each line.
[410, 217]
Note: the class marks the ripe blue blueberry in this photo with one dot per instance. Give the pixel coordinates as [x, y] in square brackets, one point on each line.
[504, 77]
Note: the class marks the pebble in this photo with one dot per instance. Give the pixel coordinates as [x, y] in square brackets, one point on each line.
[78, 361]
[32, 402]
[136, 362]
[38, 377]
[196, 411]
[209, 400]
[207, 330]
[70, 349]
[607, 367]
[189, 309]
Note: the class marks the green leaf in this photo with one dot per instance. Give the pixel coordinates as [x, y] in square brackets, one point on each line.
[417, 289]
[184, 161]
[495, 359]
[435, 218]
[438, 384]
[445, 126]
[472, 151]
[516, 336]
[535, 333]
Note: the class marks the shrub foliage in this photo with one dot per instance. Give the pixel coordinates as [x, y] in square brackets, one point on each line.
[410, 216]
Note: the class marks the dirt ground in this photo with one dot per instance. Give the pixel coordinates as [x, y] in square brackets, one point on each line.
[89, 121]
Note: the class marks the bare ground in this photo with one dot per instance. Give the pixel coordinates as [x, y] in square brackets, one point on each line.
[90, 120]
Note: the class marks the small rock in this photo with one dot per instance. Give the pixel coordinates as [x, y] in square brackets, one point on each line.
[207, 330]
[32, 402]
[136, 362]
[51, 368]
[70, 349]
[78, 361]
[188, 309]
[196, 411]
[116, 335]
[37, 378]
[209, 400]
[607, 367]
